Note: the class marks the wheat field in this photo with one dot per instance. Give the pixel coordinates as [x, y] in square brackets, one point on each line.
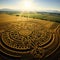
[22, 36]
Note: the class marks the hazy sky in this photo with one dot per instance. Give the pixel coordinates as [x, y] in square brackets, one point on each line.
[38, 4]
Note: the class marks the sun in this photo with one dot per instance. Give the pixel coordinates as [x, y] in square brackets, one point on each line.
[27, 5]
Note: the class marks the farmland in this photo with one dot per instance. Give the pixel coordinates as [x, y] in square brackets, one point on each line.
[44, 16]
[23, 34]
[55, 17]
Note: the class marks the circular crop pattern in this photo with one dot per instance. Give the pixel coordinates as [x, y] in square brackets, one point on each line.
[38, 52]
[24, 37]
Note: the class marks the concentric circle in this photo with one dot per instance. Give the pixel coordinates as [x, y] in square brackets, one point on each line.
[23, 37]
[38, 52]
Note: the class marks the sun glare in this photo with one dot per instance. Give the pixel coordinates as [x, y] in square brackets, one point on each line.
[27, 5]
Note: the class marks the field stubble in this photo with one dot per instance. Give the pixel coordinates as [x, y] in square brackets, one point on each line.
[21, 36]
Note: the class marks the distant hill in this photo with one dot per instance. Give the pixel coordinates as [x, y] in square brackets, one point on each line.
[50, 11]
[53, 11]
[5, 9]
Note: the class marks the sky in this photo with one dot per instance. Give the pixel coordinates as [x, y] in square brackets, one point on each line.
[36, 4]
